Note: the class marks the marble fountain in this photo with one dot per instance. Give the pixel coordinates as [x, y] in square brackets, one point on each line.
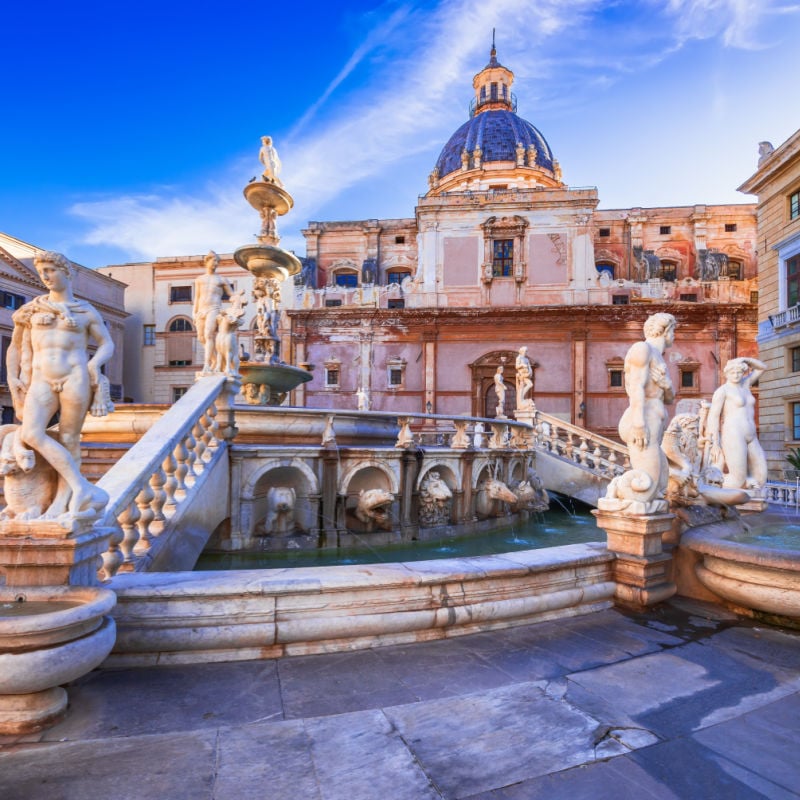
[255, 475]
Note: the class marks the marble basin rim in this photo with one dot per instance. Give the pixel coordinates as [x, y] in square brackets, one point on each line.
[41, 651]
[280, 377]
[753, 576]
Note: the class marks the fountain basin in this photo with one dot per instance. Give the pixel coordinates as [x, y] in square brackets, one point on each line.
[745, 569]
[66, 634]
[268, 261]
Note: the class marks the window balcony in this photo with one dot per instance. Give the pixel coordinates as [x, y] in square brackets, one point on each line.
[789, 317]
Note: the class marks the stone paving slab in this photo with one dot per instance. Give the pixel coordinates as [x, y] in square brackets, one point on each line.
[682, 702]
[479, 741]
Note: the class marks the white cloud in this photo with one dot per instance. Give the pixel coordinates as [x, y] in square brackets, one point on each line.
[419, 66]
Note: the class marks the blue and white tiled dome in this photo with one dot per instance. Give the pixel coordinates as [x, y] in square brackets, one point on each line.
[497, 133]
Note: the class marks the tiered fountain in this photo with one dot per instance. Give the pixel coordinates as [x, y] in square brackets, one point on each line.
[266, 379]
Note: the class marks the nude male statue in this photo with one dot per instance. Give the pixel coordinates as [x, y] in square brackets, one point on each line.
[524, 379]
[268, 156]
[49, 371]
[208, 292]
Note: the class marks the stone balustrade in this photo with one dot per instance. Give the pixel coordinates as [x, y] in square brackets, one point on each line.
[156, 481]
[603, 457]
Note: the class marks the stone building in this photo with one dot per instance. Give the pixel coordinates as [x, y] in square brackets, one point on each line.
[777, 184]
[160, 327]
[19, 283]
[502, 253]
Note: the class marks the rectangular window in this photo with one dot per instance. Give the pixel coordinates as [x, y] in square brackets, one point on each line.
[754, 298]
[395, 304]
[6, 340]
[180, 362]
[332, 303]
[620, 300]
[688, 298]
[331, 377]
[347, 279]
[795, 358]
[687, 379]
[178, 392]
[794, 205]
[665, 230]
[12, 301]
[395, 377]
[793, 281]
[149, 335]
[730, 227]
[180, 294]
[397, 276]
[399, 239]
[795, 421]
[615, 378]
[502, 257]
[605, 231]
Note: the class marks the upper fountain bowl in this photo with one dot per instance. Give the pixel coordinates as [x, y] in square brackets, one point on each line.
[265, 194]
[268, 261]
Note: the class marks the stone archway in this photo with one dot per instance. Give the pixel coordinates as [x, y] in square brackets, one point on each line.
[484, 397]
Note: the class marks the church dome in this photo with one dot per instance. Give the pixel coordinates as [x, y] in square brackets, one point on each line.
[498, 134]
[495, 144]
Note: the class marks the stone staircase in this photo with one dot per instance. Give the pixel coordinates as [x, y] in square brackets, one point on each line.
[98, 457]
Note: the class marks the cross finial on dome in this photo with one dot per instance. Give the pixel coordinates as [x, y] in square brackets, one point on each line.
[493, 53]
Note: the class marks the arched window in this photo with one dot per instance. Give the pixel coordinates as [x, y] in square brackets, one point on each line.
[397, 276]
[180, 342]
[605, 266]
[348, 280]
[669, 270]
[180, 325]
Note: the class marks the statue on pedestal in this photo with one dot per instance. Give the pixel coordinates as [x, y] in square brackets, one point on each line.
[208, 292]
[500, 392]
[51, 372]
[731, 427]
[641, 489]
[268, 156]
[524, 379]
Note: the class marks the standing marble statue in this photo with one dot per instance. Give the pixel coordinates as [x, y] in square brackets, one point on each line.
[362, 398]
[51, 372]
[208, 293]
[500, 392]
[731, 427]
[268, 156]
[642, 426]
[524, 379]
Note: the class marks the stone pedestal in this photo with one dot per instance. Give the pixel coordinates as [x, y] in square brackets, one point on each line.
[641, 568]
[528, 415]
[43, 553]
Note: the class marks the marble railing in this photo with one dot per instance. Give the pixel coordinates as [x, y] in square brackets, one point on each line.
[783, 494]
[161, 475]
[462, 432]
[590, 451]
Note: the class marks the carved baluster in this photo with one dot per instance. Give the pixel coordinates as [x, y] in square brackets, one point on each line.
[113, 557]
[157, 483]
[612, 461]
[200, 447]
[583, 452]
[212, 427]
[404, 437]
[191, 449]
[169, 465]
[460, 440]
[146, 514]
[181, 453]
[570, 445]
[130, 535]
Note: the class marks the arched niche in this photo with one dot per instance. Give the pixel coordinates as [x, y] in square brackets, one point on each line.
[484, 397]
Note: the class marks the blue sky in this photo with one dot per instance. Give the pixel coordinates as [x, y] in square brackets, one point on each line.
[131, 128]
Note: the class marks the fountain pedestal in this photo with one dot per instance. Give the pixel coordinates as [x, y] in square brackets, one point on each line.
[44, 553]
[641, 568]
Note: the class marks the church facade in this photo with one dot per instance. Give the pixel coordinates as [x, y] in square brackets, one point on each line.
[500, 254]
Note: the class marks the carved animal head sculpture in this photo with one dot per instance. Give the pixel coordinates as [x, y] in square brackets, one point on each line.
[373, 506]
[497, 490]
[434, 488]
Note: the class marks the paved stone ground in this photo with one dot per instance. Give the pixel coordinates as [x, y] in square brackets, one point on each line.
[686, 701]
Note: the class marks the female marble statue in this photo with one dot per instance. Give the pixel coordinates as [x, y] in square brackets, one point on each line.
[208, 293]
[524, 379]
[731, 426]
[50, 371]
[500, 391]
[268, 156]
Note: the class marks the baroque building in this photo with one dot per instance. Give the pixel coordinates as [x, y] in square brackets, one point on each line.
[777, 184]
[20, 283]
[501, 253]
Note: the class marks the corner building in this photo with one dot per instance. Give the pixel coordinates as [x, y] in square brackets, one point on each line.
[502, 253]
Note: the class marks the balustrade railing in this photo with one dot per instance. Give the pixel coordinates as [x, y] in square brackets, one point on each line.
[783, 494]
[152, 481]
[602, 456]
